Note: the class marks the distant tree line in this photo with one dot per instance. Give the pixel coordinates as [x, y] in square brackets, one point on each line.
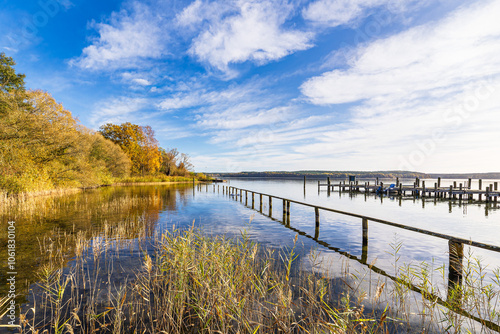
[42, 146]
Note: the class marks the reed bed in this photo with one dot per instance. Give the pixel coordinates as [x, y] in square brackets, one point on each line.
[127, 279]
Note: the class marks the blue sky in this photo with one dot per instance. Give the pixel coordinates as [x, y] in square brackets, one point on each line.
[276, 85]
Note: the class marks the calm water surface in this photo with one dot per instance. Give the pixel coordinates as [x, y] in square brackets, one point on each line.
[340, 237]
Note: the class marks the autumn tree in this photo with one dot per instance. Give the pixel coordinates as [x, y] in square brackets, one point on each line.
[185, 166]
[42, 146]
[138, 142]
[168, 161]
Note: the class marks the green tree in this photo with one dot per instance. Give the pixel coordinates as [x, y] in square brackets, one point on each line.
[9, 80]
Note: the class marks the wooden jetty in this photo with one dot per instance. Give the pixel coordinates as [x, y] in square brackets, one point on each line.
[455, 245]
[461, 191]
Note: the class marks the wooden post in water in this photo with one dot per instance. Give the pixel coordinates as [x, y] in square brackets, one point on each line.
[253, 200]
[480, 188]
[496, 186]
[376, 182]
[487, 194]
[451, 192]
[304, 182]
[270, 206]
[246, 197]
[329, 184]
[364, 249]
[423, 188]
[439, 182]
[455, 269]
[288, 211]
[435, 190]
[260, 202]
[285, 216]
[460, 195]
[316, 228]
[397, 182]
[470, 183]
[241, 196]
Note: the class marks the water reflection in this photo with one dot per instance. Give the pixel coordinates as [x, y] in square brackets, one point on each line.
[91, 210]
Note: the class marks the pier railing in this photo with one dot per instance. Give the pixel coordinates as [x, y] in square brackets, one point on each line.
[455, 244]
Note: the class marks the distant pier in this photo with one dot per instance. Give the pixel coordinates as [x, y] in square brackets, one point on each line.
[419, 188]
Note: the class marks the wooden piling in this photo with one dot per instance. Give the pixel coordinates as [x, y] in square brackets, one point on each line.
[270, 206]
[253, 200]
[439, 182]
[455, 267]
[260, 202]
[316, 215]
[364, 249]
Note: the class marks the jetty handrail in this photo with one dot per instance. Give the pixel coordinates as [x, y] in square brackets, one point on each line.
[373, 267]
[382, 221]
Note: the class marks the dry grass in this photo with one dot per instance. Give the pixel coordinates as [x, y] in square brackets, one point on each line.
[187, 282]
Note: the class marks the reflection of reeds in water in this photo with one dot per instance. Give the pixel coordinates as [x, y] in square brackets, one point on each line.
[187, 282]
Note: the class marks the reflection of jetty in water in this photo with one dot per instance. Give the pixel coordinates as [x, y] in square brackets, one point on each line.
[455, 245]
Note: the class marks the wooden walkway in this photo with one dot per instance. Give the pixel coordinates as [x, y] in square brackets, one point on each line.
[455, 244]
[458, 191]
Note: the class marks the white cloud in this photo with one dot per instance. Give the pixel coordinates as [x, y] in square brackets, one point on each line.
[118, 110]
[344, 12]
[435, 78]
[179, 101]
[129, 38]
[457, 51]
[242, 31]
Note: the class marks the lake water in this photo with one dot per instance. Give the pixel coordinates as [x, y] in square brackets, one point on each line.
[339, 241]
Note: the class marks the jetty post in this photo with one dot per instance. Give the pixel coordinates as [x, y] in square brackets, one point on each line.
[316, 229]
[455, 268]
[364, 249]
[270, 206]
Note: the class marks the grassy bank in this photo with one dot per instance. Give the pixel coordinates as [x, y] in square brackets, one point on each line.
[187, 282]
[19, 197]
[163, 178]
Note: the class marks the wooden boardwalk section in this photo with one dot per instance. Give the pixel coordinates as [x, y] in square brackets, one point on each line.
[455, 244]
[460, 191]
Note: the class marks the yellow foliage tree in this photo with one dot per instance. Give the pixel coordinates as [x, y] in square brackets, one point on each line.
[138, 142]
